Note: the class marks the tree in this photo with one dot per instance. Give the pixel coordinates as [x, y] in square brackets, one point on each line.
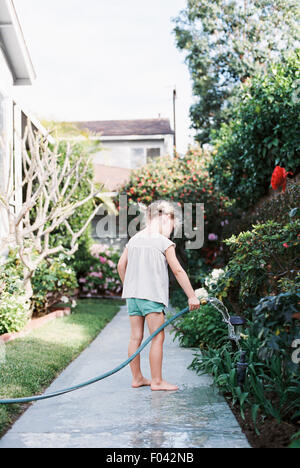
[263, 133]
[48, 192]
[226, 42]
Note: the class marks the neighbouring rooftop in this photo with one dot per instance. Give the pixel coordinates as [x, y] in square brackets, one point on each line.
[128, 127]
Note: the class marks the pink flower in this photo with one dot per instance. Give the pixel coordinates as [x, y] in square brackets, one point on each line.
[96, 274]
[82, 280]
[285, 245]
[212, 236]
[111, 264]
[102, 259]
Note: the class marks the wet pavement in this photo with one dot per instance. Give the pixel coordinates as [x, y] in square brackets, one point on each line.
[111, 414]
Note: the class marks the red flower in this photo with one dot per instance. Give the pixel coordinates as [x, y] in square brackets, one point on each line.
[279, 177]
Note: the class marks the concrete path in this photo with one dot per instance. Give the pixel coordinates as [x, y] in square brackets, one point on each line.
[111, 414]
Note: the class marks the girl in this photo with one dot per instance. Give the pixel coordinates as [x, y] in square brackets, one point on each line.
[143, 269]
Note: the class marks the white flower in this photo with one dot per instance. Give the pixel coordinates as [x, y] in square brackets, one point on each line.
[212, 279]
[74, 303]
[217, 272]
[65, 299]
[201, 292]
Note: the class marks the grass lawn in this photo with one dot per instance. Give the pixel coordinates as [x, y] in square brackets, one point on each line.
[34, 361]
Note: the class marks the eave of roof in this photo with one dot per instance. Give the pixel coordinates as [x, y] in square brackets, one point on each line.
[13, 45]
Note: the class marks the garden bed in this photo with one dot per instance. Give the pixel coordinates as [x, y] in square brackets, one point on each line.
[34, 361]
[272, 434]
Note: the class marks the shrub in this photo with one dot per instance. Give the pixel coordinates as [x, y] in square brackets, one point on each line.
[204, 327]
[198, 268]
[201, 328]
[185, 180]
[178, 298]
[276, 208]
[83, 260]
[260, 259]
[295, 441]
[11, 272]
[267, 390]
[263, 133]
[275, 322]
[14, 308]
[103, 277]
[53, 280]
[14, 312]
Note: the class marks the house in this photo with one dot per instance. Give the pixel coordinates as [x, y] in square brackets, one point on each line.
[16, 69]
[127, 145]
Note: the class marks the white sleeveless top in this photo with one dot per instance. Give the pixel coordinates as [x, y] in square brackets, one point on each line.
[147, 269]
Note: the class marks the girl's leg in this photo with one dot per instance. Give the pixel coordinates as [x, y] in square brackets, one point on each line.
[136, 337]
[154, 321]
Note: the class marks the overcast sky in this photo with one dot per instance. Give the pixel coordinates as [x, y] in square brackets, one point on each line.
[105, 59]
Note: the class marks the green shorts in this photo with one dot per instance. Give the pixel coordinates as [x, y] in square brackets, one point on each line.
[142, 307]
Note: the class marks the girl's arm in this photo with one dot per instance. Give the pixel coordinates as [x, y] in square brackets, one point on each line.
[182, 278]
[122, 264]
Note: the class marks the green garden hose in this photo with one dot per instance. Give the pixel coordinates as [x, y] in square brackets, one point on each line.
[96, 379]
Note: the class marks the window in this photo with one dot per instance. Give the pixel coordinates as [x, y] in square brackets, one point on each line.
[137, 157]
[152, 153]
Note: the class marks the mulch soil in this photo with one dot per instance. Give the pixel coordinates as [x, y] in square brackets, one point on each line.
[272, 434]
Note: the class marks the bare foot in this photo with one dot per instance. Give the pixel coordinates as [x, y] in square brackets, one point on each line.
[163, 385]
[141, 383]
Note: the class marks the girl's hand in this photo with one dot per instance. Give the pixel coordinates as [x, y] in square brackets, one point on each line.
[194, 303]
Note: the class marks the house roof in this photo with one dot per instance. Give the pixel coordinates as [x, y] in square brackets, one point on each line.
[128, 127]
[13, 45]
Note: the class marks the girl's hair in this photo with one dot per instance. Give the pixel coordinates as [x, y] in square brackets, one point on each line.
[164, 207]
